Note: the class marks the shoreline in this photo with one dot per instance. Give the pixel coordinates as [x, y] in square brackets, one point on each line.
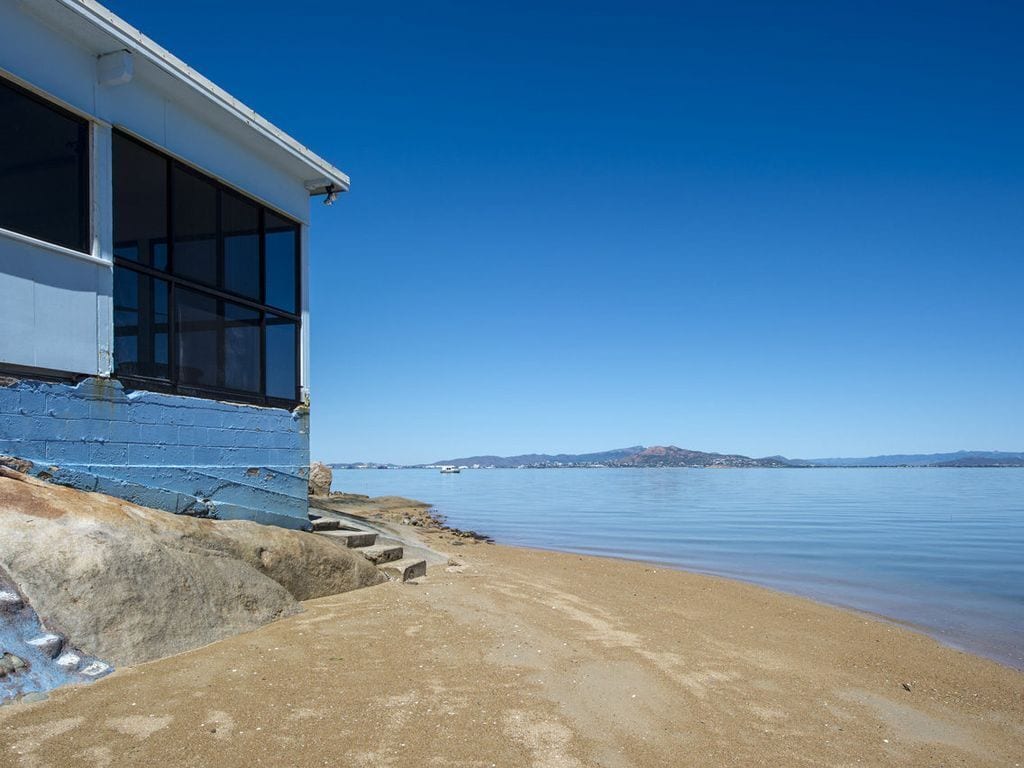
[511, 656]
[868, 614]
[516, 657]
[431, 521]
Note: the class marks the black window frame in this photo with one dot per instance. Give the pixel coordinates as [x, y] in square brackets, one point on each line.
[85, 127]
[172, 384]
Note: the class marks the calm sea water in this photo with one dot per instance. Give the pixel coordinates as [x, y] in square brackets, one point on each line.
[940, 549]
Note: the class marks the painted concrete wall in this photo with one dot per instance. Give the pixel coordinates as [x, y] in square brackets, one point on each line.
[181, 454]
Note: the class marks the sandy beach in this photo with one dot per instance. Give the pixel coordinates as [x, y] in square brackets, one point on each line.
[516, 657]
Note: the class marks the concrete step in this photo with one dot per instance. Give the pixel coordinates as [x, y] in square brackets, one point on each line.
[353, 539]
[326, 524]
[379, 554]
[403, 570]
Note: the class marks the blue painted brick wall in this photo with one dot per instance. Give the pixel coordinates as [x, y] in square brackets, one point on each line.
[183, 454]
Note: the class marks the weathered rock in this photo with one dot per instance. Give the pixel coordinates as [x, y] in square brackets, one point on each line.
[130, 584]
[10, 664]
[9, 601]
[48, 644]
[69, 660]
[35, 659]
[13, 462]
[320, 479]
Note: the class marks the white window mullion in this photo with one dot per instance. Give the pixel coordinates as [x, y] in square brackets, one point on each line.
[102, 230]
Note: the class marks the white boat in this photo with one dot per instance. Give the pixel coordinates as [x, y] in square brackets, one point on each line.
[448, 469]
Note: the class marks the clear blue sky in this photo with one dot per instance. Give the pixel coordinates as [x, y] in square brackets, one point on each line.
[579, 226]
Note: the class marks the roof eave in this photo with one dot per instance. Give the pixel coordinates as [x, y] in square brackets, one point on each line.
[324, 177]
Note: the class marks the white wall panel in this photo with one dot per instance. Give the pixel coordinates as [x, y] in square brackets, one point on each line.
[48, 305]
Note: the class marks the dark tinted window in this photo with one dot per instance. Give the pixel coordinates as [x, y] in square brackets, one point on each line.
[227, 264]
[140, 203]
[240, 226]
[282, 257]
[140, 325]
[242, 360]
[44, 170]
[281, 358]
[198, 330]
[194, 222]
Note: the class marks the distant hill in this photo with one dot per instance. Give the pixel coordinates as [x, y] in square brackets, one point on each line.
[673, 456]
[1007, 460]
[635, 456]
[535, 459]
[956, 459]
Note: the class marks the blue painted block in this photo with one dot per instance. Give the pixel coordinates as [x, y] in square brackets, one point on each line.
[33, 450]
[229, 457]
[107, 410]
[209, 418]
[225, 438]
[192, 435]
[282, 439]
[108, 453]
[287, 456]
[61, 452]
[256, 421]
[158, 434]
[32, 403]
[9, 400]
[62, 406]
[160, 455]
[116, 431]
[15, 427]
[83, 431]
[46, 429]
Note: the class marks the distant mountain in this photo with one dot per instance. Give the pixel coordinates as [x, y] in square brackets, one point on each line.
[1007, 460]
[956, 459]
[545, 459]
[672, 456]
[635, 456]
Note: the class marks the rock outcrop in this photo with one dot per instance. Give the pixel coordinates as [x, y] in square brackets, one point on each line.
[320, 479]
[130, 584]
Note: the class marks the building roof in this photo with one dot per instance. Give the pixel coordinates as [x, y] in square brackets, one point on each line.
[109, 32]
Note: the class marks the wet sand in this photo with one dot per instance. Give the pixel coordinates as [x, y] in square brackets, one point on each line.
[519, 657]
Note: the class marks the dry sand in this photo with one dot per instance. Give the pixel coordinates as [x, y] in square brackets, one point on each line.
[527, 658]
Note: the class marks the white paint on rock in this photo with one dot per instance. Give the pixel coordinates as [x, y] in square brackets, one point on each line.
[69, 660]
[49, 643]
[96, 669]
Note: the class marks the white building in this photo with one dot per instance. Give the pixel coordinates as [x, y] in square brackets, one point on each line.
[154, 320]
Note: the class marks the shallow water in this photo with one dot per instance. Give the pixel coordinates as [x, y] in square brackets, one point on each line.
[941, 549]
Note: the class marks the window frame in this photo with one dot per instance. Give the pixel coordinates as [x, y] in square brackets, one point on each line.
[172, 384]
[85, 217]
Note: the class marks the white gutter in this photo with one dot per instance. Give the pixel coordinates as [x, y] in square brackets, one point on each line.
[324, 175]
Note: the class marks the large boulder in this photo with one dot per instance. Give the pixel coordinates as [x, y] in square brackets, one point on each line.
[320, 479]
[131, 584]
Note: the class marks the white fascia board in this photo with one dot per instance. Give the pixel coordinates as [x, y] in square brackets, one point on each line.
[322, 173]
